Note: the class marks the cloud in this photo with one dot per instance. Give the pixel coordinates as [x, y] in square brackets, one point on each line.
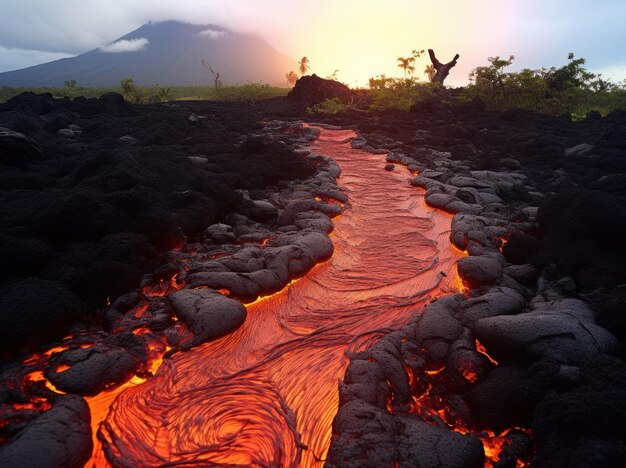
[130, 45]
[14, 59]
[213, 34]
[76, 26]
[615, 72]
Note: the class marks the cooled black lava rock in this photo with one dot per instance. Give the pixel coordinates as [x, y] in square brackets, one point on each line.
[508, 396]
[574, 173]
[32, 310]
[29, 102]
[583, 426]
[367, 436]
[207, 313]
[17, 150]
[88, 211]
[88, 371]
[519, 247]
[312, 89]
[480, 270]
[610, 308]
[59, 437]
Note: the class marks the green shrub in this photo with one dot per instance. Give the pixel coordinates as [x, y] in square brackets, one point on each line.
[328, 106]
[401, 94]
[570, 89]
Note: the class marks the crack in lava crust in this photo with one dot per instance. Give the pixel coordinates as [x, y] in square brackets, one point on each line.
[267, 394]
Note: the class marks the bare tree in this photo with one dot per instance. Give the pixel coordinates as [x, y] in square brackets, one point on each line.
[216, 76]
[442, 69]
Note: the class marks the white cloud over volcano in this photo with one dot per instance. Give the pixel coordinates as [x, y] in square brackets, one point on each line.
[130, 45]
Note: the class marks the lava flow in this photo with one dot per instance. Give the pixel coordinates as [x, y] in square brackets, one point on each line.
[267, 394]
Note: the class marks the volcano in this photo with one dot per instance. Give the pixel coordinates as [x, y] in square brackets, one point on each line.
[165, 53]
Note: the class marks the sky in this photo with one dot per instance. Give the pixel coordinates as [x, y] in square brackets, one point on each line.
[360, 38]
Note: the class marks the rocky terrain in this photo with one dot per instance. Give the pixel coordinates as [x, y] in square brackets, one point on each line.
[530, 359]
[94, 192]
[136, 232]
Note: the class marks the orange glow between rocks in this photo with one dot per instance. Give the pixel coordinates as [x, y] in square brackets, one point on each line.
[495, 443]
[62, 368]
[267, 394]
[36, 404]
[481, 349]
[37, 376]
[43, 357]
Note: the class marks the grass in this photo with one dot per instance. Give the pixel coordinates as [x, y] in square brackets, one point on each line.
[249, 92]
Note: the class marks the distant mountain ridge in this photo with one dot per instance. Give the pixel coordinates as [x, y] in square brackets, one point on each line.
[165, 53]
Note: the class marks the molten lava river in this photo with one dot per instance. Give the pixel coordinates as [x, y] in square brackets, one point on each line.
[266, 395]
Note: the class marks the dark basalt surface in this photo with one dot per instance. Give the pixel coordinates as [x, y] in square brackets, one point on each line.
[540, 208]
[107, 208]
[59, 437]
[94, 191]
[204, 199]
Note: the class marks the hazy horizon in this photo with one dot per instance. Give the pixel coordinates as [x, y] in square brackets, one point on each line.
[361, 39]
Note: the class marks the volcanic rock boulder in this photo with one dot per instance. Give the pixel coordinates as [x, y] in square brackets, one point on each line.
[260, 210]
[91, 370]
[310, 90]
[370, 437]
[207, 313]
[480, 270]
[59, 437]
[34, 309]
[508, 396]
[17, 150]
[564, 331]
[498, 301]
[519, 247]
[36, 103]
[290, 255]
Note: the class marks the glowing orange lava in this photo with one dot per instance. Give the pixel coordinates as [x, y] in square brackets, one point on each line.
[267, 394]
[494, 444]
[481, 349]
[37, 376]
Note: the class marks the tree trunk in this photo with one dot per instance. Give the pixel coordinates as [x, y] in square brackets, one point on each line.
[442, 69]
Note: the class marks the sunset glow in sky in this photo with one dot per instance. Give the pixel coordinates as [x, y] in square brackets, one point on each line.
[360, 38]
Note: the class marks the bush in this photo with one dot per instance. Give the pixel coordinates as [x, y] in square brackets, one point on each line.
[401, 94]
[570, 89]
[328, 106]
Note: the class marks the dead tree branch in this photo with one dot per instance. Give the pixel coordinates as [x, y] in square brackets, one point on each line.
[442, 69]
[216, 76]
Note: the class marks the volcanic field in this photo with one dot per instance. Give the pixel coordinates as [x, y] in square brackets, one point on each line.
[231, 284]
